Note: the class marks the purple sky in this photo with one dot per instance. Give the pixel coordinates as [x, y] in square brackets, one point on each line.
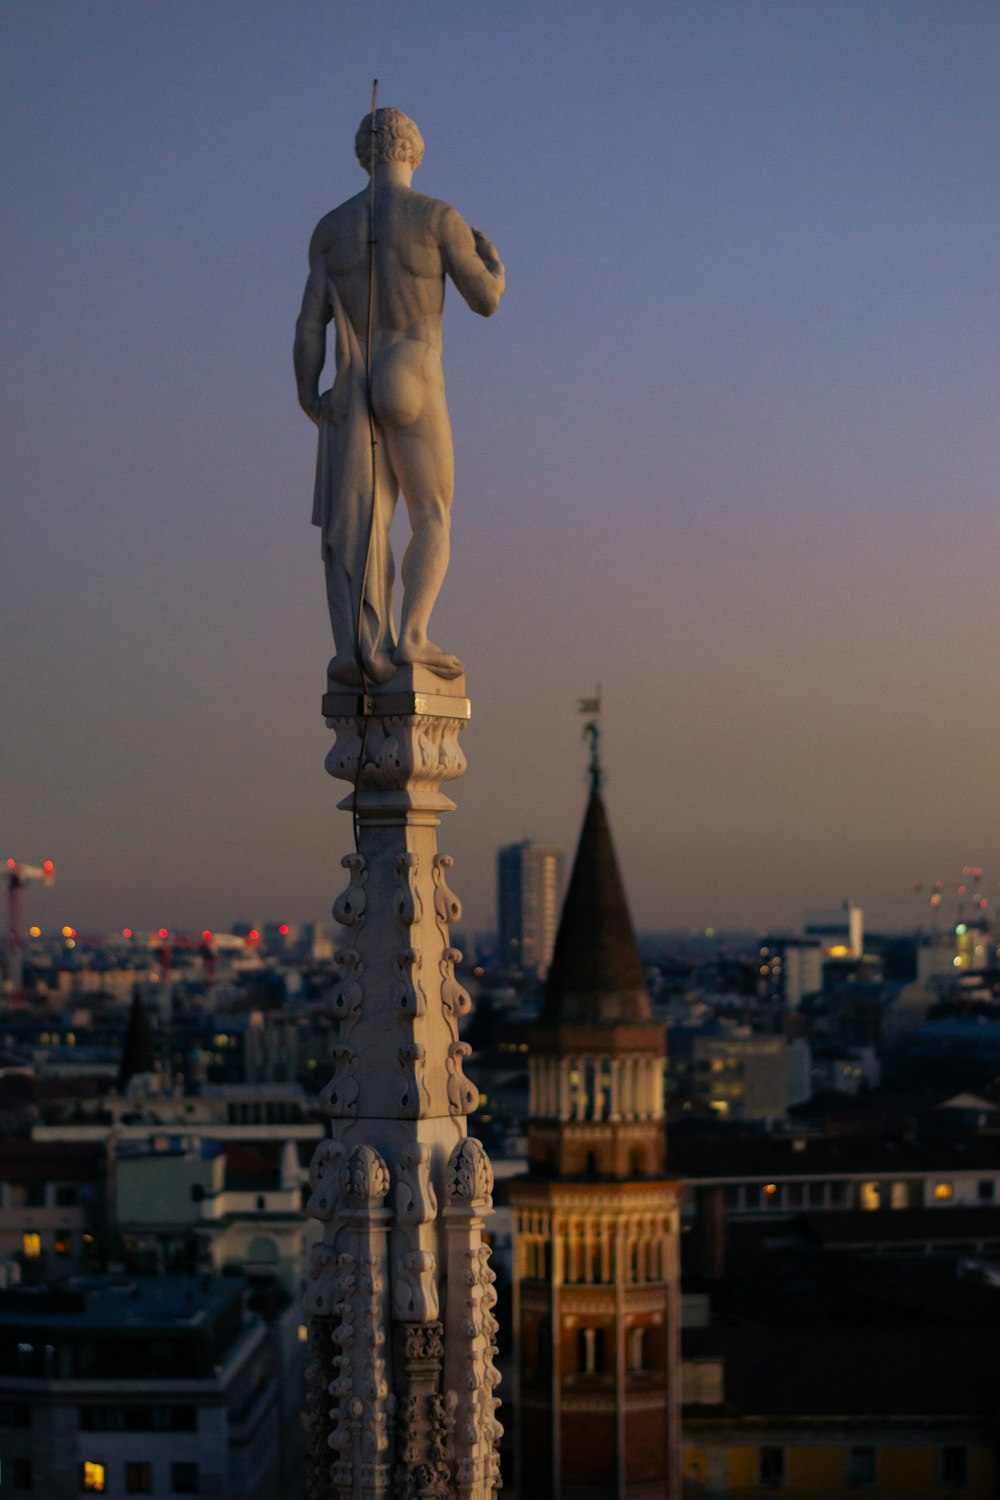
[729, 446]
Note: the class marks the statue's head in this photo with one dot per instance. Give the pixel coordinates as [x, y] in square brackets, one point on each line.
[396, 139]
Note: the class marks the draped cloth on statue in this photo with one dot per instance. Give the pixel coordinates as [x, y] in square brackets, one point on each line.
[342, 509]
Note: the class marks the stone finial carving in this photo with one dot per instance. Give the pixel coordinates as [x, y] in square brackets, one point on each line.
[411, 1002]
[463, 1096]
[414, 1263]
[414, 1287]
[347, 997]
[408, 905]
[469, 1178]
[319, 1294]
[339, 1098]
[455, 999]
[416, 1200]
[413, 753]
[447, 907]
[324, 1179]
[349, 907]
[364, 1178]
[414, 1098]
[423, 1417]
[477, 1432]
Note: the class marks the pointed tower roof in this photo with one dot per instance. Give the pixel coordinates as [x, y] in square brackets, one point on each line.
[596, 972]
[138, 1052]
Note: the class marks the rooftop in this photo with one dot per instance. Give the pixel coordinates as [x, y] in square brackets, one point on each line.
[107, 1303]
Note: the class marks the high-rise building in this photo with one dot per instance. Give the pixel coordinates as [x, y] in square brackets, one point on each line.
[596, 1271]
[529, 888]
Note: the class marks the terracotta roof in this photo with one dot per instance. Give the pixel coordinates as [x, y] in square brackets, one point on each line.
[596, 974]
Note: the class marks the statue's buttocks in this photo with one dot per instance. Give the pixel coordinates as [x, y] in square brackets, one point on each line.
[418, 241]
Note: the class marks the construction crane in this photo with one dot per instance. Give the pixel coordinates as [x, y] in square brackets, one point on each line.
[18, 876]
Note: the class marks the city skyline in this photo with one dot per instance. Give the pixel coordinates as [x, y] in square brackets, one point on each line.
[726, 446]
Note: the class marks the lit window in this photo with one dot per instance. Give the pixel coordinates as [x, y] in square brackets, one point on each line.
[871, 1196]
[31, 1245]
[943, 1192]
[303, 1334]
[92, 1478]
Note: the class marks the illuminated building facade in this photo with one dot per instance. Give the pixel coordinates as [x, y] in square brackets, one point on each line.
[596, 1221]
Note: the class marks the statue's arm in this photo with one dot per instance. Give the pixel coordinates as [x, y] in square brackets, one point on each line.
[471, 260]
[309, 351]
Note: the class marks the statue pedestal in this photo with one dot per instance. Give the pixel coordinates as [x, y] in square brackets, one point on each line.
[401, 1295]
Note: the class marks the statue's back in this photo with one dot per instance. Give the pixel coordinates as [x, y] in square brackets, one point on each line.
[409, 273]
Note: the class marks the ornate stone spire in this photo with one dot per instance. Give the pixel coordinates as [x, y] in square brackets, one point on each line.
[401, 1403]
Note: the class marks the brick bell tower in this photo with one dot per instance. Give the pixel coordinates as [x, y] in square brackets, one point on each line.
[596, 1268]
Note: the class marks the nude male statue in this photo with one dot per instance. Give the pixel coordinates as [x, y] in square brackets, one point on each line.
[418, 241]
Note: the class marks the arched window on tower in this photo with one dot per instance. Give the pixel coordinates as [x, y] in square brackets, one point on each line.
[636, 1349]
[590, 1351]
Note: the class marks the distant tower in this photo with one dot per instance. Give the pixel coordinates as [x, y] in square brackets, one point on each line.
[596, 1271]
[529, 885]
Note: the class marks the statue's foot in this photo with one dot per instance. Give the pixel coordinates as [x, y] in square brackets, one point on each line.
[426, 654]
[379, 668]
[345, 670]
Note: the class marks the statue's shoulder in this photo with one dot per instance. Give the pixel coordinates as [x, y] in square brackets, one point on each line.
[340, 221]
[431, 213]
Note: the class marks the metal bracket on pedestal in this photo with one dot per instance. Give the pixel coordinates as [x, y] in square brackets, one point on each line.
[392, 705]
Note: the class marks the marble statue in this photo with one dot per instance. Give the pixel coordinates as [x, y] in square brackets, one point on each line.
[398, 436]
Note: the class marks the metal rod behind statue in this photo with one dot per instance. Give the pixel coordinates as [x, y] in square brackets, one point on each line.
[369, 323]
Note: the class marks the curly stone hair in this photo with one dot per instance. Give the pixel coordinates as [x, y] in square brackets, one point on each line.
[396, 139]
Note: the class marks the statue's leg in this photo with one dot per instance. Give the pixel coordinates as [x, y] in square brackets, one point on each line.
[343, 667]
[423, 460]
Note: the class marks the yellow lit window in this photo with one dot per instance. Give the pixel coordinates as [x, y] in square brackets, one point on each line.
[943, 1192]
[303, 1334]
[31, 1245]
[871, 1195]
[94, 1482]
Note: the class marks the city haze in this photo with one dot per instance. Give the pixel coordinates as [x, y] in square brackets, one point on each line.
[729, 446]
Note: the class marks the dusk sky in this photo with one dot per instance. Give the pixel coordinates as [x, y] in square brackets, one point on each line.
[729, 445]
